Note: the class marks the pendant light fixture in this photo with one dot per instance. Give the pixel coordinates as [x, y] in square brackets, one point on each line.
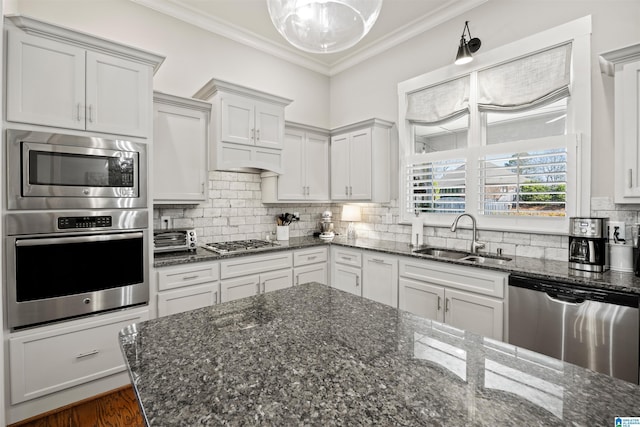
[467, 48]
[323, 26]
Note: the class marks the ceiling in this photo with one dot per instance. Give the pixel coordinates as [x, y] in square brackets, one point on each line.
[248, 22]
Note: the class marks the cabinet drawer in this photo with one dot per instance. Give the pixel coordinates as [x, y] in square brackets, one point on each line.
[193, 274]
[471, 279]
[191, 298]
[58, 358]
[243, 266]
[348, 257]
[309, 256]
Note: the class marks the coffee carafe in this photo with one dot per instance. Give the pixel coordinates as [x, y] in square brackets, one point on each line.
[326, 226]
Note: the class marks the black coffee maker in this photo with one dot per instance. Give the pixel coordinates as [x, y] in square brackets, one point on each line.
[588, 244]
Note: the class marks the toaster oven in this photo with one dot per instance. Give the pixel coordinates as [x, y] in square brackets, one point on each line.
[183, 239]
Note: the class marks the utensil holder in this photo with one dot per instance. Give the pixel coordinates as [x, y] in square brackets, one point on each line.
[282, 232]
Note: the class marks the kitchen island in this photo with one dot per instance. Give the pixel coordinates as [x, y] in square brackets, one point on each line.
[314, 355]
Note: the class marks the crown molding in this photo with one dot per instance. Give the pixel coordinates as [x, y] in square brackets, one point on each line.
[418, 26]
[183, 12]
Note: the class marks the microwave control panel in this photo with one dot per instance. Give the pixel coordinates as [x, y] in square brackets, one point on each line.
[67, 222]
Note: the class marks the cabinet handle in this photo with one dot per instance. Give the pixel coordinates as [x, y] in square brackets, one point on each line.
[90, 114]
[297, 279]
[446, 304]
[350, 191]
[78, 118]
[630, 178]
[439, 303]
[87, 354]
[346, 190]
[253, 134]
[258, 135]
[264, 286]
[258, 288]
[357, 280]
[190, 277]
[378, 260]
[309, 258]
[308, 191]
[346, 258]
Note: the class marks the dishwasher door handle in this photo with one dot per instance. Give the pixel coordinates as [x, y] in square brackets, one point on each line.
[564, 298]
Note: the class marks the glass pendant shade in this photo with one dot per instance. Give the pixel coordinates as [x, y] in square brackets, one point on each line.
[323, 26]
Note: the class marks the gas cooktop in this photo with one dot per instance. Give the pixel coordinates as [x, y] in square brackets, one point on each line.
[239, 246]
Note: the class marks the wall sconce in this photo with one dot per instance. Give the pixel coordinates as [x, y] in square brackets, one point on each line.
[467, 48]
[351, 214]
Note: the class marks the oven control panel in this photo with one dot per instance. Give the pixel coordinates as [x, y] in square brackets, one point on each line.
[66, 222]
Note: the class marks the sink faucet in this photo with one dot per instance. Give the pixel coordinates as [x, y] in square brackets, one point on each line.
[475, 245]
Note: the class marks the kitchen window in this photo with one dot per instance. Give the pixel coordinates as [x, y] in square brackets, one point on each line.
[506, 141]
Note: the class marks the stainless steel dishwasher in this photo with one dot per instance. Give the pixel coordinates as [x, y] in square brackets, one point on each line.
[594, 328]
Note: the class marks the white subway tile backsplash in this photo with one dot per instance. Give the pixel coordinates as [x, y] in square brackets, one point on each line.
[235, 211]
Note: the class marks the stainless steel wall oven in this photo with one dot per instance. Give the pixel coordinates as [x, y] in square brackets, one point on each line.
[58, 171]
[65, 264]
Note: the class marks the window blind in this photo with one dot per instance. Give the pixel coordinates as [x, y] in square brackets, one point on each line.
[526, 82]
[439, 103]
[532, 183]
[436, 186]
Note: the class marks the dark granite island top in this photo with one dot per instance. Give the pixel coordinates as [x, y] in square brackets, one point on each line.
[313, 355]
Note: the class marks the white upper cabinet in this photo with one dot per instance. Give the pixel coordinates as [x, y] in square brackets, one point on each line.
[57, 77]
[305, 167]
[248, 127]
[181, 135]
[363, 162]
[624, 64]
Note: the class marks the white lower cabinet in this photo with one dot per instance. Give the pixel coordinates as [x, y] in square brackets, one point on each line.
[464, 297]
[346, 270]
[247, 276]
[310, 265]
[184, 288]
[58, 357]
[380, 278]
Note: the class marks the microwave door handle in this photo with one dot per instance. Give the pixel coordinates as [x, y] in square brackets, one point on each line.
[77, 239]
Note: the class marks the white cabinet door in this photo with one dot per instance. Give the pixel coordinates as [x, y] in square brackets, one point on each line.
[360, 165]
[179, 152]
[340, 167]
[275, 280]
[347, 278]
[474, 313]
[238, 120]
[118, 95]
[45, 82]
[627, 122]
[185, 299]
[380, 278]
[242, 287]
[316, 158]
[291, 183]
[310, 273]
[269, 121]
[422, 299]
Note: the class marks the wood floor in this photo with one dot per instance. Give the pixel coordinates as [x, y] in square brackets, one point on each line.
[118, 408]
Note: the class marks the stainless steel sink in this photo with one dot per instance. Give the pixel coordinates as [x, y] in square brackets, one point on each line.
[480, 258]
[486, 259]
[442, 253]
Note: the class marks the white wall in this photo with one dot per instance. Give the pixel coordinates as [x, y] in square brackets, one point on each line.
[370, 88]
[193, 56]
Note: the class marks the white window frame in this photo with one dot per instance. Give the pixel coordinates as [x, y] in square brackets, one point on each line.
[578, 121]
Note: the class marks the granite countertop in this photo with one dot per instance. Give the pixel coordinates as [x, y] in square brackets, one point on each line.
[314, 355]
[531, 267]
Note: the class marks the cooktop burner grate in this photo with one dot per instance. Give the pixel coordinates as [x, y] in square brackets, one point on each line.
[239, 246]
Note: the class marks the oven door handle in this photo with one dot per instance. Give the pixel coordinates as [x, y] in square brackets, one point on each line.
[78, 239]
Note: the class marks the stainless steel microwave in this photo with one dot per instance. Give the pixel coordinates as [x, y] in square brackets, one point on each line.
[58, 171]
